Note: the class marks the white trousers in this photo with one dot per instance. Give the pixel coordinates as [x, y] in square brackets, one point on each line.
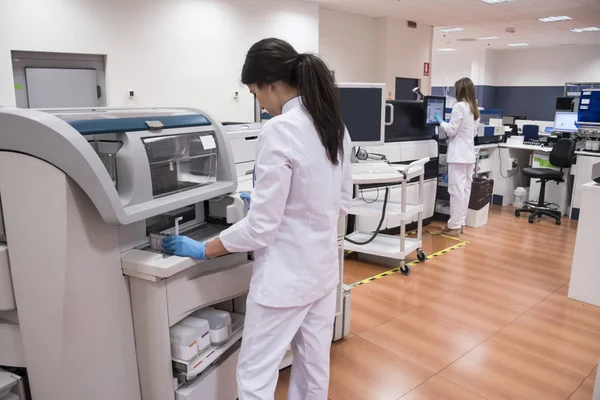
[267, 334]
[460, 178]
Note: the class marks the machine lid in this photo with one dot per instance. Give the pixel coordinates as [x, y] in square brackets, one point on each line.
[8, 380]
[133, 124]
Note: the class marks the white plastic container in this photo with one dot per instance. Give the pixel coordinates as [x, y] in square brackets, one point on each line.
[219, 322]
[184, 345]
[520, 197]
[202, 329]
[476, 219]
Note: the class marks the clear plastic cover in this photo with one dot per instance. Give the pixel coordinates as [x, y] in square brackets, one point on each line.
[181, 162]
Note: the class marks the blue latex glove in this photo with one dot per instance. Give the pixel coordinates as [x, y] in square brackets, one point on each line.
[438, 118]
[183, 246]
[246, 197]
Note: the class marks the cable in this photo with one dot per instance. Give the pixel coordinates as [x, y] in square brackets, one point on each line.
[369, 202]
[383, 210]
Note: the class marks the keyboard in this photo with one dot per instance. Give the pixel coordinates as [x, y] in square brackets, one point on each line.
[533, 143]
[374, 168]
[375, 172]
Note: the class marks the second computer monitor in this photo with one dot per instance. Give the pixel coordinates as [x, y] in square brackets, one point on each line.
[363, 112]
[565, 122]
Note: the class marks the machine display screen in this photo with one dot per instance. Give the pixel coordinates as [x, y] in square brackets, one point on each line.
[362, 113]
[409, 122]
[434, 106]
[565, 122]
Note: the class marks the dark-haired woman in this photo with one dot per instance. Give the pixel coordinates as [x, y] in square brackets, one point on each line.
[303, 185]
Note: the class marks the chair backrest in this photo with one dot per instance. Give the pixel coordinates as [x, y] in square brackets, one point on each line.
[531, 132]
[562, 153]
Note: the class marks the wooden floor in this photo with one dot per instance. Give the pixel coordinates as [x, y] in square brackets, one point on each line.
[488, 321]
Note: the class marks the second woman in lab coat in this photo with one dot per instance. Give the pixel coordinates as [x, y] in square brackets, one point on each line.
[460, 157]
[303, 185]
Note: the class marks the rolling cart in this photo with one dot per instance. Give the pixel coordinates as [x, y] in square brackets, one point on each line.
[379, 244]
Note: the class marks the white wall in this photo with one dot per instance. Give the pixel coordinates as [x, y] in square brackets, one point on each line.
[519, 67]
[363, 49]
[407, 50]
[348, 44]
[173, 53]
[547, 66]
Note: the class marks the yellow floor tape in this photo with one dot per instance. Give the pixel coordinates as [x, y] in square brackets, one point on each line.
[415, 262]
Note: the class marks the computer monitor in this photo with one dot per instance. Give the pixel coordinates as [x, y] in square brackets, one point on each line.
[434, 105]
[408, 122]
[363, 112]
[565, 122]
[564, 103]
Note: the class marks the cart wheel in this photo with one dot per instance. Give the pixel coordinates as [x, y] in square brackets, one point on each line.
[404, 268]
[517, 214]
[421, 256]
[531, 220]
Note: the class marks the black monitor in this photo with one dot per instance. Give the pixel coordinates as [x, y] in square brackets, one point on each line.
[409, 122]
[564, 103]
[363, 112]
[434, 105]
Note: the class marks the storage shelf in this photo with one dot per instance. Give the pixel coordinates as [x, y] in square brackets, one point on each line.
[383, 245]
[373, 209]
[201, 362]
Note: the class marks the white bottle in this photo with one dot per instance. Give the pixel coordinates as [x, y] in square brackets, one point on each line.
[202, 329]
[219, 322]
[184, 345]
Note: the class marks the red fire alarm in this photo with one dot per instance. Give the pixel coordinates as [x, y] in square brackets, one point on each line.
[426, 69]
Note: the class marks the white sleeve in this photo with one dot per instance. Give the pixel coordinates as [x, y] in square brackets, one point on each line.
[347, 186]
[273, 170]
[451, 128]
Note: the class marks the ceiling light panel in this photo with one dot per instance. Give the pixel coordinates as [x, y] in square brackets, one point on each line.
[517, 44]
[488, 38]
[450, 30]
[555, 19]
[446, 50]
[588, 29]
[497, 1]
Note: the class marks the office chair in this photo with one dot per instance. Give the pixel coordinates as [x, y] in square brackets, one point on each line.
[561, 156]
[531, 133]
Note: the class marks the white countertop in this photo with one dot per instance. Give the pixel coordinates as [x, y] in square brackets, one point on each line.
[486, 146]
[542, 149]
[587, 153]
[591, 186]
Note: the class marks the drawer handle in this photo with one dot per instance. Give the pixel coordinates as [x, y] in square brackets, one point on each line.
[249, 138]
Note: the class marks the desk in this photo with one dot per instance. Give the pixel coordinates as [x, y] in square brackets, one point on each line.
[583, 174]
[527, 147]
[585, 273]
[537, 157]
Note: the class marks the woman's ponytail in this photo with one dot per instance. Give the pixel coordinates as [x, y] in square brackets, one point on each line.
[273, 60]
[321, 98]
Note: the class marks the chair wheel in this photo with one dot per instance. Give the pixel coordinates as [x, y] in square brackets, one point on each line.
[404, 268]
[421, 256]
[558, 222]
[531, 219]
[517, 214]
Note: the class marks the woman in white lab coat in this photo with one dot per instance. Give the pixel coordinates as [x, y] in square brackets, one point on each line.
[303, 185]
[460, 157]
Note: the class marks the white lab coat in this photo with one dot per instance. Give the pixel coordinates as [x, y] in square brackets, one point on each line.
[460, 157]
[298, 198]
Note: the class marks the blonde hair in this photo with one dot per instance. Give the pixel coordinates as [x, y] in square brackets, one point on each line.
[465, 91]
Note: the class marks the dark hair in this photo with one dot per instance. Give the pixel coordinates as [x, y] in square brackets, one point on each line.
[273, 60]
